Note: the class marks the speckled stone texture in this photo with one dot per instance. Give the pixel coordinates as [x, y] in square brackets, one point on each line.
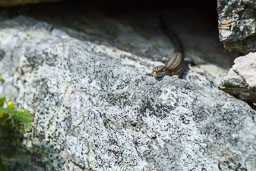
[241, 81]
[237, 24]
[96, 109]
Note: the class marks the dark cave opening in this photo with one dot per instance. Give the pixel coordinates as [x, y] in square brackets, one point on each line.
[195, 22]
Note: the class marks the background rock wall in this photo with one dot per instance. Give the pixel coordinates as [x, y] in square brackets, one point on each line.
[237, 26]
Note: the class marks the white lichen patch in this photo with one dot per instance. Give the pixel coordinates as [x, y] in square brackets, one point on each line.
[95, 109]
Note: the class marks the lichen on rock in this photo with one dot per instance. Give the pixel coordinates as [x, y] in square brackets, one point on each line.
[240, 81]
[237, 24]
[96, 109]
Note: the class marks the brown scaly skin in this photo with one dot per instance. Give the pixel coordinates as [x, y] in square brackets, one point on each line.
[176, 65]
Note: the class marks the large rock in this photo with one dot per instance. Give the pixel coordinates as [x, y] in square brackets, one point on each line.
[237, 24]
[96, 109]
[241, 81]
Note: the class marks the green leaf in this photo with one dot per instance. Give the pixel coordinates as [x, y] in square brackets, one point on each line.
[2, 100]
[21, 118]
[2, 167]
[4, 115]
[10, 104]
[1, 79]
[3, 118]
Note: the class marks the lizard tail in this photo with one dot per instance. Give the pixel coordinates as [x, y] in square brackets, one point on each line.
[170, 33]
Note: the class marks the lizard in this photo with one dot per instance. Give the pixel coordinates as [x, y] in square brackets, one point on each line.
[176, 65]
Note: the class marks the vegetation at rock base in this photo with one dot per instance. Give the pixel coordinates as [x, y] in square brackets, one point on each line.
[20, 119]
[11, 117]
[1, 79]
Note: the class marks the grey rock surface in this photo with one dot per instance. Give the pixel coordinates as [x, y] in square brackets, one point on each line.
[237, 24]
[241, 81]
[95, 108]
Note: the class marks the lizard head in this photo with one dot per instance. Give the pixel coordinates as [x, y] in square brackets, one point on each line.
[159, 71]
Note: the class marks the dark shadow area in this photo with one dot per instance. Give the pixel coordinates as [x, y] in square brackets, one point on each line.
[133, 26]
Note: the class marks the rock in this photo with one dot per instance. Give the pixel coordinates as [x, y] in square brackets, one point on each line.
[95, 108]
[8, 3]
[237, 24]
[240, 81]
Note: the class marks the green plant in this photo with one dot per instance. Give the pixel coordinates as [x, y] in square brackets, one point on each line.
[2, 167]
[20, 119]
[10, 116]
[1, 79]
